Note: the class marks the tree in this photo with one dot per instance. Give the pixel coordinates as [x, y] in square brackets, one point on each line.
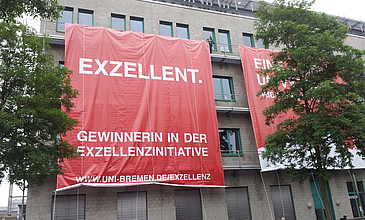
[326, 99]
[32, 90]
[10, 9]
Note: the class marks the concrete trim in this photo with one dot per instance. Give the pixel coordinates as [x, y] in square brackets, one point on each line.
[198, 9]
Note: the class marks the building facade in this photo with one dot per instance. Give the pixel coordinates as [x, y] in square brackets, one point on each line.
[249, 193]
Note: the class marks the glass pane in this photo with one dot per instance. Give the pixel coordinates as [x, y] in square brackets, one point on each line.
[217, 88]
[223, 41]
[207, 34]
[233, 142]
[182, 32]
[226, 89]
[118, 23]
[66, 17]
[86, 18]
[223, 141]
[165, 30]
[247, 40]
[260, 43]
[137, 26]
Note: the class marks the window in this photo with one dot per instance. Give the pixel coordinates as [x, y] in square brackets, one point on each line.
[166, 28]
[66, 16]
[62, 63]
[248, 40]
[86, 17]
[188, 204]
[282, 202]
[260, 44]
[223, 88]
[118, 22]
[182, 31]
[317, 198]
[224, 41]
[230, 141]
[238, 203]
[69, 207]
[207, 32]
[137, 24]
[132, 205]
[353, 197]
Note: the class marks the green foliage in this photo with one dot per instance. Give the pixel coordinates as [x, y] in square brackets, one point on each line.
[327, 94]
[11, 9]
[32, 90]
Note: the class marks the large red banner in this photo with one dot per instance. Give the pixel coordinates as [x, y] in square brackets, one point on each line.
[146, 110]
[253, 60]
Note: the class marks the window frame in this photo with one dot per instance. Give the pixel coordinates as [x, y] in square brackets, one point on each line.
[142, 199]
[76, 197]
[238, 206]
[188, 211]
[213, 35]
[360, 187]
[232, 94]
[278, 207]
[85, 11]
[113, 15]
[252, 39]
[186, 26]
[166, 23]
[231, 153]
[220, 31]
[72, 19]
[133, 18]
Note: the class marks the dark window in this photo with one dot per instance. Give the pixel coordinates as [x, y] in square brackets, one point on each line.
[188, 204]
[68, 207]
[118, 22]
[223, 88]
[224, 41]
[207, 32]
[137, 24]
[62, 63]
[86, 17]
[238, 203]
[248, 40]
[166, 28]
[66, 16]
[353, 197]
[182, 31]
[282, 202]
[132, 205]
[230, 141]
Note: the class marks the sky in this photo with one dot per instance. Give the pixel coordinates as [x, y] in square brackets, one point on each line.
[352, 9]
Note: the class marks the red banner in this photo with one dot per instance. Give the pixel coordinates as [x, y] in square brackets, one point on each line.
[146, 110]
[254, 59]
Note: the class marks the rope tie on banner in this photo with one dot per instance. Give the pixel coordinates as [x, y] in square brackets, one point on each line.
[196, 112]
[201, 196]
[137, 204]
[267, 196]
[54, 204]
[281, 195]
[148, 101]
[77, 203]
[83, 96]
